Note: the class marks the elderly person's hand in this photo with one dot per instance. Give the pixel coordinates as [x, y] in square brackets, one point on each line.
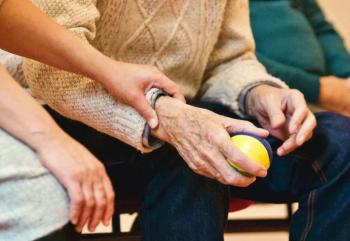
[335, 94]
[284, 113]
[202, 139]
[89, 188]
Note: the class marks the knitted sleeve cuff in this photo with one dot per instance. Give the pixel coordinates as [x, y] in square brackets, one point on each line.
[242, 98]
[147, 140]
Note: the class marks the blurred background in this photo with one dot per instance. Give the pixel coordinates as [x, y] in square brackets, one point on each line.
[338, 12]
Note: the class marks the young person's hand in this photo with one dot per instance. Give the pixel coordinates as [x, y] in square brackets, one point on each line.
[335, 94]
[84, 177]
[284, 113]
[128, 83]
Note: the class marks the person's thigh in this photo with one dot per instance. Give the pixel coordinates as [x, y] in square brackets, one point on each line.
[176, 201]
[32, 202]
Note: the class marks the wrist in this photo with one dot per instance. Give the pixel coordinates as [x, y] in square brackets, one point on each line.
[325, 90]
[254, 95]
[168, 110]
[42, 138]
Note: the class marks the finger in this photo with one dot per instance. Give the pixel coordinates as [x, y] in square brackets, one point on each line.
[146, 111]
[100, 206]
[298, 118]
[210, 159]
[238, 158]
[229, 176]
[276, 116]
[76, 201]
[306, 130]
[199, 165]
[169, 87]
[233, 126]
[89, 204]
[110, 201]
[288, 146]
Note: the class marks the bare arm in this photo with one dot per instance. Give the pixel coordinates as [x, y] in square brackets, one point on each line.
[69, 161]
[28, 32]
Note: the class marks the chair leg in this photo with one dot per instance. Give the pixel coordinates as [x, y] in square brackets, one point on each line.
[289, 211]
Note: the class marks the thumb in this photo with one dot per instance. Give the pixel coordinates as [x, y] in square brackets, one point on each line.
[146, 111]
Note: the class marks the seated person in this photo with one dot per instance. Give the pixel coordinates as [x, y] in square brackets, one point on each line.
[297, 44]
[208, 48]
[46, 176]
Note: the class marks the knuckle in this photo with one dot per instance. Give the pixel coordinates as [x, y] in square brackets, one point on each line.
[230, 179]
[297, 93]
[110, 197]
[102, 202]
[90, 202]
[133, 96]
[100, 168]
[76, 175]
[77, 200]
[153, 69]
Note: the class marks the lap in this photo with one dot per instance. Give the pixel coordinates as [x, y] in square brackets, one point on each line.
[314, 164]
[131, 170]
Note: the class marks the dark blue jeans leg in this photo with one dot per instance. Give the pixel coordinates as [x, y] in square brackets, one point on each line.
[180, 205]
[324, 212]
[317, 175]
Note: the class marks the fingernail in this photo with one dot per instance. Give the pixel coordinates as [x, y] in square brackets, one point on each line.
[262, 173]
[107, 222]
[153, 123]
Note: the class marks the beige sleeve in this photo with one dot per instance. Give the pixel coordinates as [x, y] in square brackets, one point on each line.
[233, 65]
[75, 96]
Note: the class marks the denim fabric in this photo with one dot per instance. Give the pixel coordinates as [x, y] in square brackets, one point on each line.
[318, 177]
[181, 205]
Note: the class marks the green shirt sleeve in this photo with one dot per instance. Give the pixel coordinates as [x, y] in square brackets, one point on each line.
[336, 54]
[308, 84]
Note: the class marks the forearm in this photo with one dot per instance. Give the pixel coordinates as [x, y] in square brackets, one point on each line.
[21, 115]
[28, 32]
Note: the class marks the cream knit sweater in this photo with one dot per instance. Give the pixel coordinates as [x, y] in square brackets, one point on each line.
[206, 46]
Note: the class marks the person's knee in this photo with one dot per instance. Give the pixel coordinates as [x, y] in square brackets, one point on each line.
[334, 128]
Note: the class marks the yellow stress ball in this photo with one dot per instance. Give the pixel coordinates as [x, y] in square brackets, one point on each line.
[255, 148]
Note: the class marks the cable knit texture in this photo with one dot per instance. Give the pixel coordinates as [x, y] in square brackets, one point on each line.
[205, 46]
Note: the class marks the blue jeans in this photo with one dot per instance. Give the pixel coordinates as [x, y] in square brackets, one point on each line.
[317, 176]
[181, 205]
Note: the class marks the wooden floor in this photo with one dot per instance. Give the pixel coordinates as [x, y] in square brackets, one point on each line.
[261, 212]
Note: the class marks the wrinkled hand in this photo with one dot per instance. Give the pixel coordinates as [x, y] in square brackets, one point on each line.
[128, 84]
[335, 94]
[284, 113]
[202, 139]
[89, 188]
